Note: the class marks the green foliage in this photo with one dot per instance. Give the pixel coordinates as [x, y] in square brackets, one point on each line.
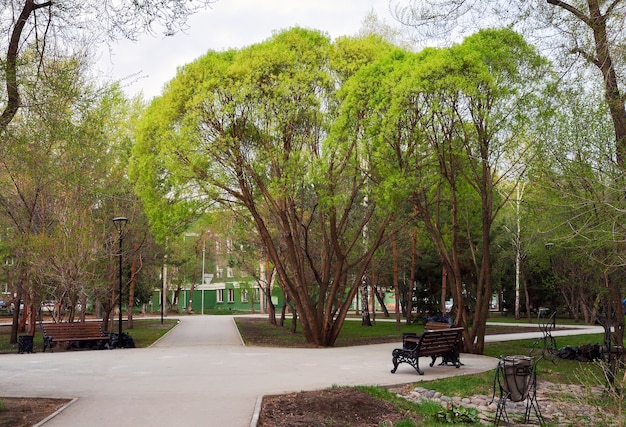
[248, 129]
[608, 397]
[454, 414]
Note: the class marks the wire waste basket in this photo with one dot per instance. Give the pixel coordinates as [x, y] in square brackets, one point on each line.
[516, 381]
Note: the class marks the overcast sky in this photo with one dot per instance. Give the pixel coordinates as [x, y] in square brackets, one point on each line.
[228, 24]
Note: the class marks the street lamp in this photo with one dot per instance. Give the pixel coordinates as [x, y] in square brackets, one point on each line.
[120, 223]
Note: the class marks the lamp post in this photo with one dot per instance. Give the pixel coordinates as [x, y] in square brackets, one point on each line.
[120, 223]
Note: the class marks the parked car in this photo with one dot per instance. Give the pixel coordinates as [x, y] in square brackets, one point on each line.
[3, 304]
[47, 306]
[12, 307]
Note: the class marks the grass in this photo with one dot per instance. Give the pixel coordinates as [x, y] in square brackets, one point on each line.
[257, 331]
[144, 333]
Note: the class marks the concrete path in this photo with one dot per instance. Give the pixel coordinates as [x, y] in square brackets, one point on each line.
[199, 374]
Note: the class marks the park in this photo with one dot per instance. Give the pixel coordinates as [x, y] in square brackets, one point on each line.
[466, 160]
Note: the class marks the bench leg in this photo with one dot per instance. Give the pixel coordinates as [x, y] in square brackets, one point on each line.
[405, 356]
[448, 359]
[47, 343]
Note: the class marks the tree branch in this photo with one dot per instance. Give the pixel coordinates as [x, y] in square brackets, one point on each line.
[13, 95]
[574, 11]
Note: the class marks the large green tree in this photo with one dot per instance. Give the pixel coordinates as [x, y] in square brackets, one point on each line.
[249, 129]
[449, 123]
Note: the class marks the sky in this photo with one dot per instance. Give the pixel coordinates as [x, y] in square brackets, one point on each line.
[146, 65]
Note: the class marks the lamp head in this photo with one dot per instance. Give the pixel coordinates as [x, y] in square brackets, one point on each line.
[120, 222]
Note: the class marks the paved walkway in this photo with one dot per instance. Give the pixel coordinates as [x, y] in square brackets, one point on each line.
[200, 374]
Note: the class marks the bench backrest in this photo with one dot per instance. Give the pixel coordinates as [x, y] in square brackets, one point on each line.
[72, 330]
[436, 342]
[430, 326]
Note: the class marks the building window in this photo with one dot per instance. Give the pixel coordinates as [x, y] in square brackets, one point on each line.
[244, 295]
[231, 295]
[220, 295]
[257, 294]
[219, 272]
[229, 272]
[229, 245]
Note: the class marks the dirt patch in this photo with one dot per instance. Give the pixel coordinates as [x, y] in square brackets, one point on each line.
[348, 407]
[26, 412]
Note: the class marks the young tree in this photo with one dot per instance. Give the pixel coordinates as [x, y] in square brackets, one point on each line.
[578, 183]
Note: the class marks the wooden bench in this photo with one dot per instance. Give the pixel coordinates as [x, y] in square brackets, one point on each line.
[444, 343]
[409, 339]
[70, 332]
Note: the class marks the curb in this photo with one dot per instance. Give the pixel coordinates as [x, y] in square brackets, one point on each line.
[55, 413]
[243, 344]
[257, 411]
[165, 334]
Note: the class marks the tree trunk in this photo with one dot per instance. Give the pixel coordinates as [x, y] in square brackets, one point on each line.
[372, 298]
[106, 317]
[164, 287]
[381, 301]
[271, 308]
[615, 304]
[83, 305]
[294, 321]
[412, 273]
[444, 289]
[33, 305]
[365, 313]
[132, 283]
[396, 281]
[16, 320]
[283, 311]
[528, 313]
[10, 70]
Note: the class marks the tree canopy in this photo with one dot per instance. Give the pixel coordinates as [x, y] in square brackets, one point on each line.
[250, 129]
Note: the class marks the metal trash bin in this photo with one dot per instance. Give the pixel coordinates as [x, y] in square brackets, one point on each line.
[517, 372]
[25, 344]
[516, 381]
